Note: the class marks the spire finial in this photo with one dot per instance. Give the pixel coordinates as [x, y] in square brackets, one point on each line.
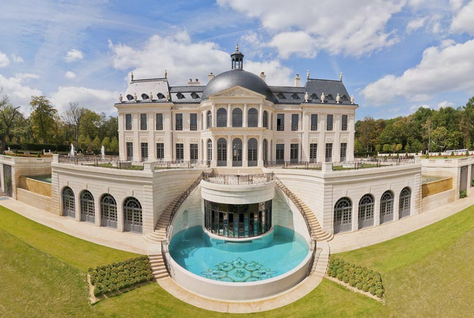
[237, 46]
[131, 76]
[340, 77]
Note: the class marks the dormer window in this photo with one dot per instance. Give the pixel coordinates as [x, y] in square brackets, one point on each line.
[145, 96]
[180, 96]
[194, 95]
[130, 97]
[160, 96]
[295, 96]
[281, 96]
[329, 97]
[344, 98]
[314, 96]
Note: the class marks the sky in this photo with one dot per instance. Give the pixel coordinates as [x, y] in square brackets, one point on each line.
[395, 55]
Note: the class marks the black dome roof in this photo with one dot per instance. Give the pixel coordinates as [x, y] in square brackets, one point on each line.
[238, 77]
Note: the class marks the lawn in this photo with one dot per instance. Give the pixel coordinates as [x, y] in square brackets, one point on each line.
[426, 273]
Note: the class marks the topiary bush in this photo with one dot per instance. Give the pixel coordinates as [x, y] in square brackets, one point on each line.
[116, 276]
[359, 277]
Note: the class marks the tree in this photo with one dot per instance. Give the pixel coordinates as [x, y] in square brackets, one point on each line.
[89, 125]
[72, 117]
[43, 119]
[8, 114]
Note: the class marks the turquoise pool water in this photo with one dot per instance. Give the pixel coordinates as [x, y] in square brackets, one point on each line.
[45, 178]
[259, 259]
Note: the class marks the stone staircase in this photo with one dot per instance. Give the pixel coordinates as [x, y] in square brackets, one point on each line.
[317, 232]
[160, 229]
[158, 266]
[321, 261]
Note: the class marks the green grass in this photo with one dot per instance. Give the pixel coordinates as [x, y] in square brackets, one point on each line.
[427, 273]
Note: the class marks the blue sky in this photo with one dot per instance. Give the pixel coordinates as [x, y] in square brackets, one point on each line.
[395, 55]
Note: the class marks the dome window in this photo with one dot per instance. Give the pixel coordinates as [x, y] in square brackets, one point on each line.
[180, 96]
[281, 96]
[194, 95]
[160, 96]
[295, 96]
[145, 96]
[314, 96]
[129, 97]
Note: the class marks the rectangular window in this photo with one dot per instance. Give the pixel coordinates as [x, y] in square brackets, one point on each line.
[343, 151]
[160, 151]
[294, 122]
[143, 124]
[179, 121]
[144, 148]
[129, 151]
[280, 122]
[193, 148]
[329, 152]
[194, 122]
[329, 123]
[344, 123]
[159, 121]
[128, 121]
[280, 153]
[314, 122]
[294, 153]
[179, 152]
[313, 152]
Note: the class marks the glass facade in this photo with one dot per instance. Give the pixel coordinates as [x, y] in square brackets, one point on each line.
[238, 220]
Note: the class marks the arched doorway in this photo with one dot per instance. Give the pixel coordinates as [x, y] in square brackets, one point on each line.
[386, 207]
[108, 211]
[221, 152]
[405, 203]
[87, 207]
[366, 211]
[237, 117]
[343, 215]
[132, 213]
[237, 152]
[69, 203]
[252, 152]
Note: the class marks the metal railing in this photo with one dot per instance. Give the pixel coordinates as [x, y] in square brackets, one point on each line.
[165, 259]
[238, 179]
[178, 204]
[180, 164]
[313, 253]
[293, 165]
[370, 163]
[98, 161]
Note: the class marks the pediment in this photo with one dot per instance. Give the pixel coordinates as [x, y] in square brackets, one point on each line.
[238, 91]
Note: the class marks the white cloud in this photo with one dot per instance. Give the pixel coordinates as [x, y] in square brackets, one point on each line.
[299, 43]
[16, 90]
[415, 24]
[445, 104]
[353, 28]
[70, 75]
[94, 99]
[276, 74]
[463, 21]
[189, 60]
[456, 4]
[440, 70]
[73, 55]
[16, 58]
[4, 60]
[414, 108]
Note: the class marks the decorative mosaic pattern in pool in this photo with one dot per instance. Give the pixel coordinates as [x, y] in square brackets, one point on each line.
[239, 270]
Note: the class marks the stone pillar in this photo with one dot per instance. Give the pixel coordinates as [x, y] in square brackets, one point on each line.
[260, 116]
[322, 138]
[204, 151]
[151, 136]
[396, 205]
[229, 151]
[204, 120]
[260, 152]
[245, 151]
[355, 215]
[120, 217]
[168, 144]
[336, 146]
[350, 141]
[229, 115]
[97, 216]
[77, 204]
[121, 137]
[377, 210]
[214, 115]
[214, 152]
[136, 139]
[305, 137]
[244, 117]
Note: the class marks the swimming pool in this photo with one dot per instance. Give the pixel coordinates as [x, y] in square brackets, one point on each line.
[44, 178]
[259, 259]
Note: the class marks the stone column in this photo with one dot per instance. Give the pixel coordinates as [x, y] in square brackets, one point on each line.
[260, 152]
[396, 205]
[214, 115]
[121, 137]
[204, 151]
[355, 215]
[244, 117]
[322, 138]
[336, 146]
[77, 204]
[168, 144]
[245, 151]
[350, 141]
[305, 137]
[377, 210]
[214, 152]
[136, 139]
[120, 216]
[97, 215]
[229, 151]
[151, 137]
[229, 115]
[260, 116]
[204, 120]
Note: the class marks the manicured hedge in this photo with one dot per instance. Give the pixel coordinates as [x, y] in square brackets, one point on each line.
[38, 147]
[116, 276]
[356, 276]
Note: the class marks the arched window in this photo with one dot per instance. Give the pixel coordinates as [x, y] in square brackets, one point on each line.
[237, 117]
[108, 211]
[237, 152]
[132, 213]
[209, 119]
[252, 152]
[265, 151]
[386, 207]
[253, 117]
[342, 215]
[87, 207]
[209, 151]
[405, 202]
[69, 203]
[366, 211]
[221, 152]
[265, 119]
[221, 117]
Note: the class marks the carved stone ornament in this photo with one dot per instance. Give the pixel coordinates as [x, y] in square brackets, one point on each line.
[338, 98]
[194, 140]
[313, 140]
[129, 139]
[344, 140]
[179, 140]
[238, 92]
[329, 140]
[322, 97]
[352, 99]
[143, 139]
[280, 140]
[295, 140]
[306, 97]
[159, 139]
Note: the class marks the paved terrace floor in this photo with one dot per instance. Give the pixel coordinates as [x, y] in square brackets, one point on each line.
[362, 238]
[129, 242]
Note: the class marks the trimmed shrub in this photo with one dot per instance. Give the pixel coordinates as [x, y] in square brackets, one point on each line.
[463, 194]
[359, 277]
[113, 277]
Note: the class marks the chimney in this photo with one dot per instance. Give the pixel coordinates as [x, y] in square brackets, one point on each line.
[193, 83]
[297, 80]
[263, 76]
[210, 76]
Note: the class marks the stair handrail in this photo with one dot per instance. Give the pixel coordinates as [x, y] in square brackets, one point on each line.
[163, 254]
[313, 253]
[298, 205]
[180, 201]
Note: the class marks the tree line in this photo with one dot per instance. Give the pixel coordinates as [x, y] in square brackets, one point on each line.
[439, 130]
[45, 128]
